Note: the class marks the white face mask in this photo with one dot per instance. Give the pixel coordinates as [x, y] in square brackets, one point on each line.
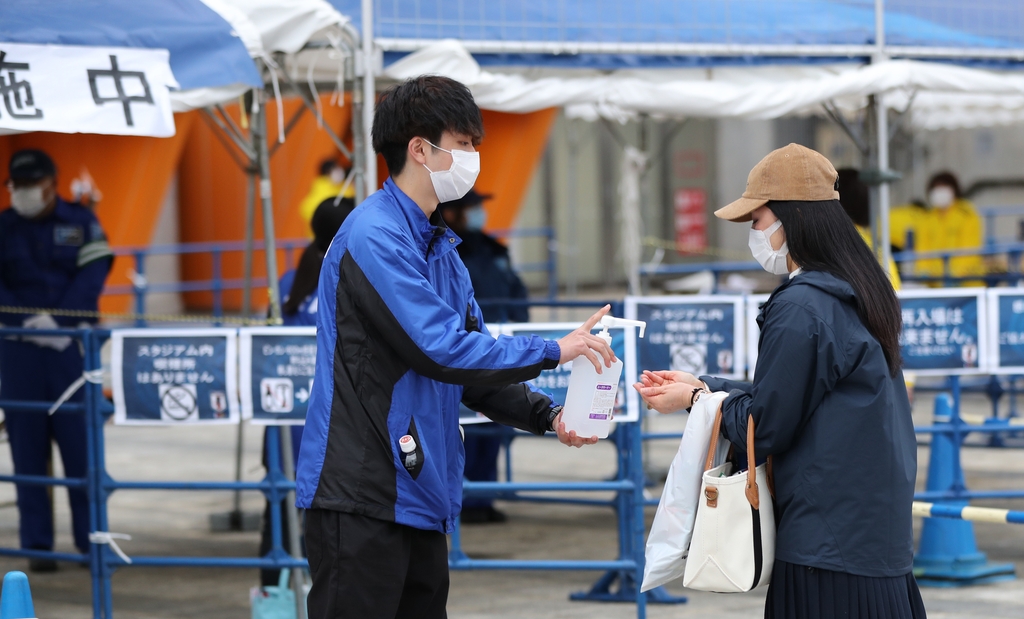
[941, 196]
[456, 181]
[27, 201]
[337, 176]
[772, 260]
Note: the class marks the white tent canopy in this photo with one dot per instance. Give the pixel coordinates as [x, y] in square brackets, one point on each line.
[269, 26]
[944, 96]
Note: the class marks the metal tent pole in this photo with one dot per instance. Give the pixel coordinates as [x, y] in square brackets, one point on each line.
[883, 249]
[259, 136]
[369, 97]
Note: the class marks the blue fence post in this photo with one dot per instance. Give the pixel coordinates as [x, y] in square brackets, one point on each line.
[96, 408]
[274, 492]
[218, 285]
[947, 555]
[139, 284]
[92, 413]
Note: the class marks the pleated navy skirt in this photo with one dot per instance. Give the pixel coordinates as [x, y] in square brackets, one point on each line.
[800, 592]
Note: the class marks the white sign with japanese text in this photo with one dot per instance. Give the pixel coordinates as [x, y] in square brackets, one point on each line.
[80, 89]
[174, 376]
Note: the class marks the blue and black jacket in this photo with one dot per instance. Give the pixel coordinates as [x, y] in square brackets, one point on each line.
[400, 342]
[837, 424]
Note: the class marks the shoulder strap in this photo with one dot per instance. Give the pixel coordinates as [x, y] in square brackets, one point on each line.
[715, 430]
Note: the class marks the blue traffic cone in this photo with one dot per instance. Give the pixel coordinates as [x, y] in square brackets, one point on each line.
[948, 555]
[16, 597]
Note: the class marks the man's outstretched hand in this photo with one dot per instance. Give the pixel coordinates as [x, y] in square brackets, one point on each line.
[570, 439]
[583, 342]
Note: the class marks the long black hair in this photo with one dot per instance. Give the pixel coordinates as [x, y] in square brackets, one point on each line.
[327, 218]
[821, 237]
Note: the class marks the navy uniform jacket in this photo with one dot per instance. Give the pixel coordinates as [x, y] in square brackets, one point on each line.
[400, 342]
[491, 272]
[838, 426]
[59, 262]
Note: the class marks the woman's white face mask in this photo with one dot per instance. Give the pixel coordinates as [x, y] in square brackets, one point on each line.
[771, 259]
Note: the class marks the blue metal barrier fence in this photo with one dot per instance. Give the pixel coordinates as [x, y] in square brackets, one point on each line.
[217, 284]
[99, 485]
[103, 559]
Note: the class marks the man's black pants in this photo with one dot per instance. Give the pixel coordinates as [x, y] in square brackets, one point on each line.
[364, 568]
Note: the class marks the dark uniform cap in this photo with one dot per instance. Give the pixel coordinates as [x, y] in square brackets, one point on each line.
[31, 165]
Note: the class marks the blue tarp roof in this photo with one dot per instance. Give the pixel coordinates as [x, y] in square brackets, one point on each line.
[204, 53]
[929, 23]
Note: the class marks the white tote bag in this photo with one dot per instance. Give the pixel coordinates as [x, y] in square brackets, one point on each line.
[669, 539]
[733, 545]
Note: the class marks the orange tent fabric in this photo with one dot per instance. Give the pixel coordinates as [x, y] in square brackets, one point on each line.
[212, 192]
[134, 173]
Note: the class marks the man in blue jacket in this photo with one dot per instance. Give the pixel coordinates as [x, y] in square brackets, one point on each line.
[53, 255]
[400, 342]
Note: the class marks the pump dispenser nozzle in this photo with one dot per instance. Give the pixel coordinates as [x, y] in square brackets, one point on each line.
[612, 321]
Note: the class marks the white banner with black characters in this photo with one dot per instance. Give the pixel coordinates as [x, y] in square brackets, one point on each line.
[945, 331]
[81, 89]
[695, 334]
[276, 366]
[174, 376]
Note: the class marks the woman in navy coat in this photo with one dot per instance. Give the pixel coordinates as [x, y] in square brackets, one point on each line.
[828, 401]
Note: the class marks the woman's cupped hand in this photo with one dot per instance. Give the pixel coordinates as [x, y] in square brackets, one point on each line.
[667, 391]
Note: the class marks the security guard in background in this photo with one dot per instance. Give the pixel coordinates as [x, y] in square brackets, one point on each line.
[53, 254]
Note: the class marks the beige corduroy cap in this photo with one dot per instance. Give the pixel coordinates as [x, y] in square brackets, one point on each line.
[792, 172]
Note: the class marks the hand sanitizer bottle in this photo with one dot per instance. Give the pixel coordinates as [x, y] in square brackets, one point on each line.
[590, 399]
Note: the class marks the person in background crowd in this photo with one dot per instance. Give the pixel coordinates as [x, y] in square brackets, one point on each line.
[53, 256]
[328, 184]
[951, 222]
[298, 309]
[827, 401]
[854, 197]
[490, 271]
[903, 222]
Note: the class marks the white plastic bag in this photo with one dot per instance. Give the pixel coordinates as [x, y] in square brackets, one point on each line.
[669, 540]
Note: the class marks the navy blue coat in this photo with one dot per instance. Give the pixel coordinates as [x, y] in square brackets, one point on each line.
[838, 426]
[57, 262]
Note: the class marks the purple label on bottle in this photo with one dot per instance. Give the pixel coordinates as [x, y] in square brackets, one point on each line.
[604, 387]
[598, 416]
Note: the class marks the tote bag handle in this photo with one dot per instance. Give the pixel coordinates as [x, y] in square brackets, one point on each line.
[751, 488]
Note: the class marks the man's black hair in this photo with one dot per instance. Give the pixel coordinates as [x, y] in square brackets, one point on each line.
[424, 107]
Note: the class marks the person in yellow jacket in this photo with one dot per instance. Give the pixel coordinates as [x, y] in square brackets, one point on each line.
[950, 223]
[328, 184]
[904, 219]
[853, 196]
